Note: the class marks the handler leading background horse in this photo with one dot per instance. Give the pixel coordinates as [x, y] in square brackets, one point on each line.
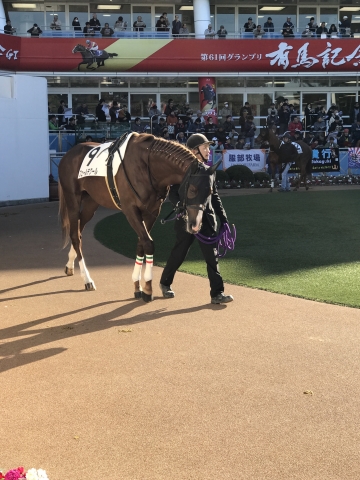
[150, 165]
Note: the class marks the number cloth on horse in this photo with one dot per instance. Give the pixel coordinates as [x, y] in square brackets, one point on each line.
[95, 162]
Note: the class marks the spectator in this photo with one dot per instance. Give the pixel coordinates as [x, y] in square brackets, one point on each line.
[225, 111]
[294, 125]
[298, 136]
[180, 127]
[81, 112]
[185, 107]
[242, 120]
[271, 108]
[321, 30]
[55, 24]
[106, 31]
[139, 25]
[319, 125]
[154, 112]
[158, 127]
[333, 31]
[180, 138]
[165, 134]
[312, 25]
[355, 131]
[288, 33]
[222, 32]
[250, 129]
[199, 116]
[53, 123]
[258, 32]
[61, 113]
[336, 122]
[268, 25]
[161, 25]
[330, 143]
[240, 144]
[210, 128]
[289, 24]
[120, 25]
[345, 27]
[123, 114]
[88, 30]
[169, 107]
[209, 32]
[171, 121]
[8, 29]
[137, 127]
[249, 26]
[273, 118]
[35, 31]
[292, 111]
[176, 26]
[284, 117]
[198, 126]
[229, 126]
[76, 24]
[184, 32]
[94, 22]
[100, 112]
[307, 33]
[221, 134]
[246, 107]
[71, 125]
[345, 139]
[166, 21]
[228, 145]
[354, 112]
[309, 115]
[114, 110]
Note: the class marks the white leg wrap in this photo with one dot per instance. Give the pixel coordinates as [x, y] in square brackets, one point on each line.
[71, 258]
[148, 275]
[136, 275]
[84, 273]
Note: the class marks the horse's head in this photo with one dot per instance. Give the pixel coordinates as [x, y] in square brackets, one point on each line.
[195, 191]
[78, 48]
[263, 136]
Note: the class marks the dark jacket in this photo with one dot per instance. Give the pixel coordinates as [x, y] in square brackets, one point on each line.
[176, 25]
[100, 113]
[287, 153]
[76, 26]
[95, 24]
[35, 31]
[213, 208]
[269, 27]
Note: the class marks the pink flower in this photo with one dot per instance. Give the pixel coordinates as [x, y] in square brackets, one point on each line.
[13, 475]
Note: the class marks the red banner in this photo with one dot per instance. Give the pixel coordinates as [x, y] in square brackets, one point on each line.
[207, 100]
[181, 55]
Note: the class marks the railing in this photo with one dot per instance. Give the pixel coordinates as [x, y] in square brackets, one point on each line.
[68, 32]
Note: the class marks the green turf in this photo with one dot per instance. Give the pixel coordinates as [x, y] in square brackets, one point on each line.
[301, 244]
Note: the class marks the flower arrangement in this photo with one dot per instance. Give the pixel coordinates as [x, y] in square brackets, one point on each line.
[19, 472]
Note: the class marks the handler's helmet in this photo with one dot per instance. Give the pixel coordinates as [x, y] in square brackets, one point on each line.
[287, 135]
[196, 140]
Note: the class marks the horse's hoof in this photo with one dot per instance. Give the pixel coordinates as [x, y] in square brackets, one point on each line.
[90, 286]
[69, 271]
[138, 295]
[147, 298]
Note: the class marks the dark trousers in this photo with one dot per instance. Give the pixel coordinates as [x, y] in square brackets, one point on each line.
[178, 254]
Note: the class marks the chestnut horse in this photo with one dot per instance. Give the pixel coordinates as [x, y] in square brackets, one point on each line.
[149, 166]
[303, 162]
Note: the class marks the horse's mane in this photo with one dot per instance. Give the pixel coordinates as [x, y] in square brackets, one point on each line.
[173, 151]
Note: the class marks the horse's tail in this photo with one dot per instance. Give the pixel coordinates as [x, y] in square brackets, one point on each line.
[111, 55]
[64, 216]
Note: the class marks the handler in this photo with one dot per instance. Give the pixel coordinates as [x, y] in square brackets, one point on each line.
[199, 145]
[288, 152]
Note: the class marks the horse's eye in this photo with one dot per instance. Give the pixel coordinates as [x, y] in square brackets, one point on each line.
[192, 192]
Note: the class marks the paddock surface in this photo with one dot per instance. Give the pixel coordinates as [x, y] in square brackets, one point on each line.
[97, 385]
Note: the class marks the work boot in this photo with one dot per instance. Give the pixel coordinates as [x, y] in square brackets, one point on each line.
[167, 291]
[221, 298]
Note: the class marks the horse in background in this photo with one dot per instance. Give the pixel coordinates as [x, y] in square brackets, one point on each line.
[147, 169]
[303, 161]
[89, 58]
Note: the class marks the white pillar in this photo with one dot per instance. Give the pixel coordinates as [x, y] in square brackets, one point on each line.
[2, 16]
[201, 17]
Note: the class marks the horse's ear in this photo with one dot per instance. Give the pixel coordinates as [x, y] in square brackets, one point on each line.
[214, 167]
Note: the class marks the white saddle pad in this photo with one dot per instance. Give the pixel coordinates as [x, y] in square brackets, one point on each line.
[94, 163]
[298, 148]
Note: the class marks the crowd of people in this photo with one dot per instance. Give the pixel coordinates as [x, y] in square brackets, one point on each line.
[317, 127]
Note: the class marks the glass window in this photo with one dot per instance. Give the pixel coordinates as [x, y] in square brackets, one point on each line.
[186, 17]
[179, 100]
[57, 82]
[230, 82]
[315, 82]
[54, 101]
[120, 97]
[278, 18]
[90, 99]
[293, 97]
[259, 82]
[259, 102]
[226, 16]
[144, 13]
[345, 103]
[23, 19]
[304, 16]
[169, 12]
[81, 12]
[329, 16]
[235, 101]
[287, 82]
[85, 82]
[244, 14]
[336, 81]
[139, 104]
[169, 82]
[53, 10]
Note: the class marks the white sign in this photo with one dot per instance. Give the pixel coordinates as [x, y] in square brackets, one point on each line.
[253, 159]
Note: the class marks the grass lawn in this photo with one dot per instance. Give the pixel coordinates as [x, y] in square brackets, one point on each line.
[306, 245]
